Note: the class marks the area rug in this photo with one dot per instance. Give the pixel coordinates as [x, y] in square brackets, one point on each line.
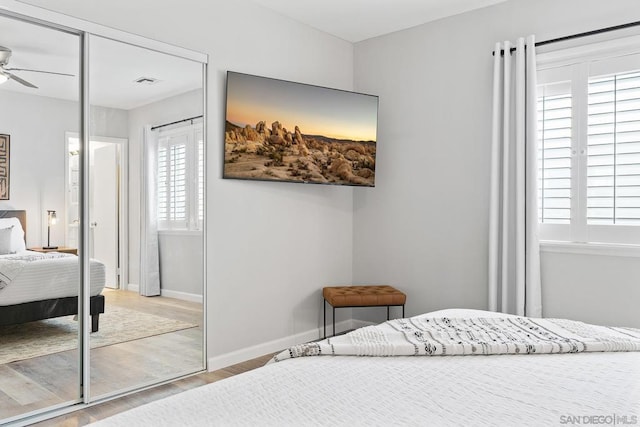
[117, 325]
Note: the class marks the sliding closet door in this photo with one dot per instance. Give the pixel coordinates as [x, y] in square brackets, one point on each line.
[146, 215]
[39, 274]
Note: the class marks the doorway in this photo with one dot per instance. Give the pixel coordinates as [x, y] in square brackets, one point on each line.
[107, 226]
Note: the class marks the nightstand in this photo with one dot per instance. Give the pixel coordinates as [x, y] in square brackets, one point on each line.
[62, 249]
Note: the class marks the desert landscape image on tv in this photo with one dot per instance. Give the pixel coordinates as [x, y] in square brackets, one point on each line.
[285, 131]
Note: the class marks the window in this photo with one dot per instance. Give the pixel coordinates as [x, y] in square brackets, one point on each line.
[181, 178]
[613, 149]
[589, 144]
[554, 153]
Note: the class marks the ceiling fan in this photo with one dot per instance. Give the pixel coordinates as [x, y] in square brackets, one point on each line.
[5, 74]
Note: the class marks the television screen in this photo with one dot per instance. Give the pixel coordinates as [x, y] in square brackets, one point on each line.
[277, 130]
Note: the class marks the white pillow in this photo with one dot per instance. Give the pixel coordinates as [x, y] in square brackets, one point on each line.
[17, 235]
[5, 240]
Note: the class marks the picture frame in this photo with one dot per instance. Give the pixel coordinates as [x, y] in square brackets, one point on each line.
[5, 144]
[278, 130]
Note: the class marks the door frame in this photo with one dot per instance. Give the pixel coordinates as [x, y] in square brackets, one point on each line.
[123, 201]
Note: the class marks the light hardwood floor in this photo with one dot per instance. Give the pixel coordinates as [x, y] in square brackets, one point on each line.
[104, 410]
[39, 382]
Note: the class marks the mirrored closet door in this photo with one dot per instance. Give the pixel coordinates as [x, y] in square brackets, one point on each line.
[39, 276]
[103, 293]
[146, 113]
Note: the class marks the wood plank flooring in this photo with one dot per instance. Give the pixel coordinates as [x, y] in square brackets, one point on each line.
[40, 382]
[107, 409]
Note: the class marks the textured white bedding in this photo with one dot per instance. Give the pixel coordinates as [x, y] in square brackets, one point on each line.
[500, 390]
[50, 278]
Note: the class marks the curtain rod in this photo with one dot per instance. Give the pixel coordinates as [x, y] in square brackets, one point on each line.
[176, 122]
[579, 35]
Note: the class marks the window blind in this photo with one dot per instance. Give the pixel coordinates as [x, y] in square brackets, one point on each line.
[554, 154]
[177, 193]
[163, 175]
[613, 149]
[200, 177]
[181, 178]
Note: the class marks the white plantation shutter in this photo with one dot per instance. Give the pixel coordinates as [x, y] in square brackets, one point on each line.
[181, 178]
[589, 136]
[163, 174]
[554, 153]
[200, 142]
[613, 160]
[176, 183]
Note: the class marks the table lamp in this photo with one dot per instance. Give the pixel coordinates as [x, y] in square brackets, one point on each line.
[51, 220]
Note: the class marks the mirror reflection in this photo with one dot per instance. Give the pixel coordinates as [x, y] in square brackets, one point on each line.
[145, 219]
[39, 267]
[146, 209]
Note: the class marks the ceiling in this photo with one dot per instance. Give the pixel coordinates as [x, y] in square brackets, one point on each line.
[357, 20]
[113, 67]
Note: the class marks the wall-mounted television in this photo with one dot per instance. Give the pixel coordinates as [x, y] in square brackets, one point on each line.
[277, 130]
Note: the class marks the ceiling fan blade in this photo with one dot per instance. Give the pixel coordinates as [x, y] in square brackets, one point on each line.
[19, 80]
[39, 71]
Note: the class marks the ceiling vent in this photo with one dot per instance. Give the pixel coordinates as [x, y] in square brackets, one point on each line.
[146, 80]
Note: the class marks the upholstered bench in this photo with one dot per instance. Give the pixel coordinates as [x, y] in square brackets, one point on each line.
[360, 296]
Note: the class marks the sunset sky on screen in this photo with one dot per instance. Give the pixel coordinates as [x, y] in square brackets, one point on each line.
[315, 110]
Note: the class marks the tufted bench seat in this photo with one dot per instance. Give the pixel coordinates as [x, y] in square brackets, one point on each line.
[361, 296]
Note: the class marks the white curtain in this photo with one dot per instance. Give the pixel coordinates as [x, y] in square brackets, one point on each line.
[514, 251]
[149, 248]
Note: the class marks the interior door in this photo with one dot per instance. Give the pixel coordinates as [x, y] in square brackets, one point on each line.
[104, 209]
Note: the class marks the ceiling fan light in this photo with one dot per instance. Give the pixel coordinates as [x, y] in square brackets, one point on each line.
[3, 77]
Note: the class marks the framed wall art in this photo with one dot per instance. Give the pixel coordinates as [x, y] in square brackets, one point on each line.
[279, 130]
[4, 167]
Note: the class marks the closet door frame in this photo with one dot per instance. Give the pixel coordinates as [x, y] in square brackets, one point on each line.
[83, 29]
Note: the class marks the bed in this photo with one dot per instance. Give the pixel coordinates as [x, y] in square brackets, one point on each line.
[37, 286]
[479, 390]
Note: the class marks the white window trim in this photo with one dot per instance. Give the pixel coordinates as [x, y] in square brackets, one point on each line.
[594, 51]
[608, 249]
[178, 232]
[576, 58]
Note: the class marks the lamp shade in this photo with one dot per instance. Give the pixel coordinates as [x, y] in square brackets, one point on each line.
[3, 77]
[52, 217]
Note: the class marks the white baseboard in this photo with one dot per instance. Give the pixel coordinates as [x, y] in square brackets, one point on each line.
[181, 295]
[185, 296]
[242, 355]
[355, 323]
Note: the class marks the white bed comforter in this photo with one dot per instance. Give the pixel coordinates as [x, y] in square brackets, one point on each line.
[498, 390]
[32, 276]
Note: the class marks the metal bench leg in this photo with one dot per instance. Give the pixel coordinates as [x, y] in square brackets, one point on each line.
[403, 311]
[334, 321]
[387, 312]
[324, 317]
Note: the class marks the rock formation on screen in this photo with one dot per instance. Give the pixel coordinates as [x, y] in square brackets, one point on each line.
[276, 153]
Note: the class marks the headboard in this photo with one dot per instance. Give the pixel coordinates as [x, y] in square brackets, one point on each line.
[22, 217]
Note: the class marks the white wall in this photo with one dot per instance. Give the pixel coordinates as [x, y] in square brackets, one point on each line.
[181, 265]
[593, 288]
[168, 110]
[37, 126]
[181, 269]
[424, 228]
[271, 246]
